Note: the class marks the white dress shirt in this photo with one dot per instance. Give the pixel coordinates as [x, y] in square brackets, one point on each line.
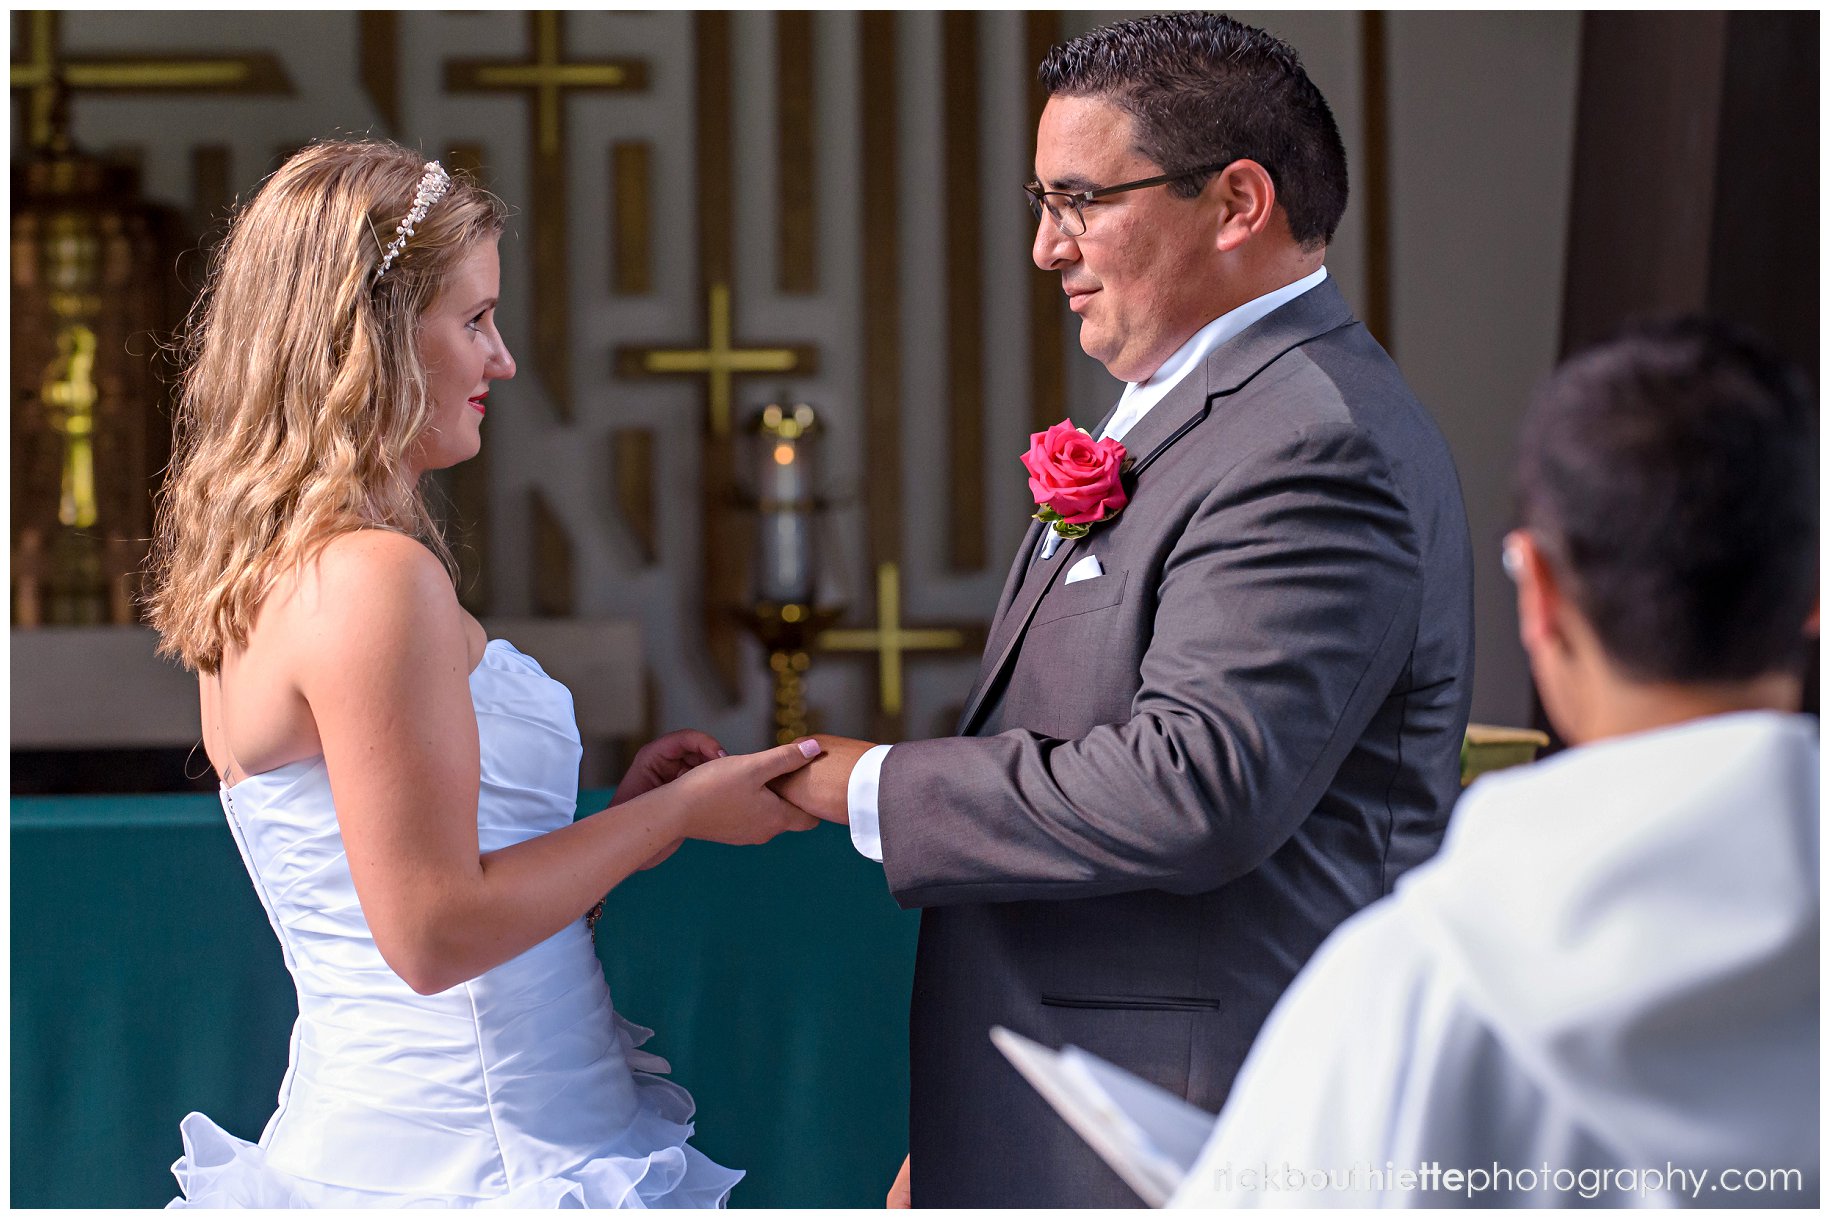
[1133, 404]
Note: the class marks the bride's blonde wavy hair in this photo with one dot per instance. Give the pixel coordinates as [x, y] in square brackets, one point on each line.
[303, 390]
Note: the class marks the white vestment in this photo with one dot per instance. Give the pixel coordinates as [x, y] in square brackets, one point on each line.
[1612, 964]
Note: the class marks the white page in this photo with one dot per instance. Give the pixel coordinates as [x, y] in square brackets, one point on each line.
[1148, 1136]
[1175, 1129]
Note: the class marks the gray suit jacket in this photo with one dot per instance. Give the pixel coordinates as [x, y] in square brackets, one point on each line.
[1175, 779]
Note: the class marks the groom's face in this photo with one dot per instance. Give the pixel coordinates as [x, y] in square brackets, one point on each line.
[1140, 277]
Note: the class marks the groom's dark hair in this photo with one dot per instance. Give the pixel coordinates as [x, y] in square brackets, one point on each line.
[1671, 474]
[1203, 88]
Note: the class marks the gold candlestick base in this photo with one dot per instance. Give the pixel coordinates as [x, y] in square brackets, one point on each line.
[787, 631]
[790, 695]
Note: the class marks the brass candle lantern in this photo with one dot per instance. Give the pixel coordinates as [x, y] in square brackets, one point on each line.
[89, 303]
[785, 569]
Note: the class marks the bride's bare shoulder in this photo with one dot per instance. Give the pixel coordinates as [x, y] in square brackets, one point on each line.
[370, 554]
[377, 578]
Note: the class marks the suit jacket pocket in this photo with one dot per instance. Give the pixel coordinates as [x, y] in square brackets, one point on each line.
[1132, 1003]
[1081, 597]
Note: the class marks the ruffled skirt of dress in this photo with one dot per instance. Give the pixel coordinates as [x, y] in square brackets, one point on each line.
[648, 1164]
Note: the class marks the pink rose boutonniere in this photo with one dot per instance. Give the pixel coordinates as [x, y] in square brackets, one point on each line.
[1077, 481]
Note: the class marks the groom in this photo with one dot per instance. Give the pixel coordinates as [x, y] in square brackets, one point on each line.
[1228, 714]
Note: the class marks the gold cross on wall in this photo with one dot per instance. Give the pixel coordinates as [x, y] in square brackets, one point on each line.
[546, 78]
[44, 74]
[720, 361]
[890, 639]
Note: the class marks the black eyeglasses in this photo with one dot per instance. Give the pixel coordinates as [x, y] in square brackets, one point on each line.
[1065, 207]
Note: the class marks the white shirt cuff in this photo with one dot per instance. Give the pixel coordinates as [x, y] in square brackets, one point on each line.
[861, 802]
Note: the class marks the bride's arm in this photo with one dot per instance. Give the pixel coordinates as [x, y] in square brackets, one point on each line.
[381, 658]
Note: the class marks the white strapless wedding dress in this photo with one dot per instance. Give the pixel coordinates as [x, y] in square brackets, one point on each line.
[522, 1087]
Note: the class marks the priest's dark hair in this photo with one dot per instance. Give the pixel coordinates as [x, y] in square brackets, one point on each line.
[1203, 88]
[1670, 474]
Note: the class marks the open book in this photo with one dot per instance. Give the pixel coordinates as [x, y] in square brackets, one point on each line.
[1150, 1137]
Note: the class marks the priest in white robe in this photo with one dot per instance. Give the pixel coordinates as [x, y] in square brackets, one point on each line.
[1604, 989]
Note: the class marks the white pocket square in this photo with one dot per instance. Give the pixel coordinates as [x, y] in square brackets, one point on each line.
[1086, 569]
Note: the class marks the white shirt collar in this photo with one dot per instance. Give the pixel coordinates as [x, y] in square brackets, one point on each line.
[1140, 396]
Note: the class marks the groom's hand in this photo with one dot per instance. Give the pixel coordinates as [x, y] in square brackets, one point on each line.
[819, 787]
[663, 760]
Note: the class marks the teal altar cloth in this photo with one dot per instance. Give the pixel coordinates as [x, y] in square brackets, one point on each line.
[147, 983]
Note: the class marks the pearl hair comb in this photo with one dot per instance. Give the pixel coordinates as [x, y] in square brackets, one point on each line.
[432, 187]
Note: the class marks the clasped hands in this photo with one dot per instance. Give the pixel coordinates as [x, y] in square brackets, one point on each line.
[820, 787]
[816, 789]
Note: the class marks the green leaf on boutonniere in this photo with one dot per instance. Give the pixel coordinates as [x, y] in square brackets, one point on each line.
[1126, 466]
[1045, 514]
[1072, 531]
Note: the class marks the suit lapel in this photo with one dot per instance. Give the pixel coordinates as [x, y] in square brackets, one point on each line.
[1167, 421]
[1010, 627]
[1229, 369]
[1032, 537]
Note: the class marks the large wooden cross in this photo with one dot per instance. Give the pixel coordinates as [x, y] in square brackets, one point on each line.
[720, 361]
[45, 75]
[891, 641]
[546, 79]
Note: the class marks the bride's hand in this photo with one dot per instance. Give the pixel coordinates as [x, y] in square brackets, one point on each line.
[663, 760]
[729, 800]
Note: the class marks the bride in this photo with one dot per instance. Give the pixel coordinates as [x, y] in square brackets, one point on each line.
[402, 788]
